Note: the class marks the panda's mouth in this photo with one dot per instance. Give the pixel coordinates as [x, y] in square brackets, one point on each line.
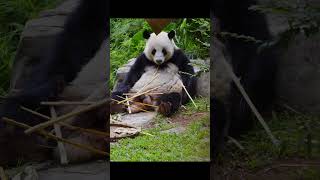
[159, 61]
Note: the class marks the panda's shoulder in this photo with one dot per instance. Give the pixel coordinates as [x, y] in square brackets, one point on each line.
[179, 57]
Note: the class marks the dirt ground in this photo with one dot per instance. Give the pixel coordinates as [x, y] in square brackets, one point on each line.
[291, 169]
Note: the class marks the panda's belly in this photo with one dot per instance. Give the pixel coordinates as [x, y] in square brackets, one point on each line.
[165, 80]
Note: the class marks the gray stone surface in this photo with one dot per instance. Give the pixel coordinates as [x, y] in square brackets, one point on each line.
[141, 119]
[298, 77]
[203, 85]
[89, 171]
[176, 130]
[37, 39]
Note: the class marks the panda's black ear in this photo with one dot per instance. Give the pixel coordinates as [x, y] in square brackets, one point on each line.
[171, 34]
[146, 34]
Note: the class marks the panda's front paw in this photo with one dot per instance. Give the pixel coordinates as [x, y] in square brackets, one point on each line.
[165, 108]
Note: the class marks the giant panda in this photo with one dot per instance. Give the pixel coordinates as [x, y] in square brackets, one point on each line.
[230, 114]
[74, 68]
[161, 68]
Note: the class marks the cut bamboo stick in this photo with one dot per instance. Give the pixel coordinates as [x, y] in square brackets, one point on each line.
[235, 79]
[155, 93]
[62, 103]
[57, 130]
[153, 78]
[92, 131]
[66, 116]
[188, 94]
[49, 135]
[126, 105]
[3, 175]
[139, 94]
[140, 102]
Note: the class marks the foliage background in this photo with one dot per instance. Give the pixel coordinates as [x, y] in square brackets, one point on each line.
[13, 16]
[192, 35]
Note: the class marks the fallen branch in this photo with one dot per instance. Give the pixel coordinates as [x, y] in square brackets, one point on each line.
[66, 116]
[92, 131]
[49, 135]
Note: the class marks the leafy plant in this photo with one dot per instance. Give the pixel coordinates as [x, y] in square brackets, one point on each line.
[126, 41]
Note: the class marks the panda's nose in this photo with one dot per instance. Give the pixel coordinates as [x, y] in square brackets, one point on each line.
[158, 61]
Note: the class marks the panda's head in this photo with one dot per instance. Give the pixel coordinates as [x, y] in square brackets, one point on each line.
[159, 48]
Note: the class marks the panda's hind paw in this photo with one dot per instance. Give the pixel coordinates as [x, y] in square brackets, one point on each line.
[165, 108]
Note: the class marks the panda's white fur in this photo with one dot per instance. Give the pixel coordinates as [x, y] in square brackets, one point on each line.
[167, 80]
[159, 42]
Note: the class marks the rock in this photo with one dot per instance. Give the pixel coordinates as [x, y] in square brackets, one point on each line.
[99, 170]
[298, 77]
[37, 40]
[176, 130]
[203, 85]
[138, 119]
[64, 8]
[141, 119]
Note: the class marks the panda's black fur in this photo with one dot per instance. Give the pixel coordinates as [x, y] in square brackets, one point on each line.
[84, 32]
[138, 68]
[255, 70]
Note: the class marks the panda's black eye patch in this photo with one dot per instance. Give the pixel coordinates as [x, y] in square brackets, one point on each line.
[164, 51]
[153, 52]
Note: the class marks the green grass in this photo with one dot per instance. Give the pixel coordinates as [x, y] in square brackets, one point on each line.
[13, 16]
[299, 136]
[191, 145]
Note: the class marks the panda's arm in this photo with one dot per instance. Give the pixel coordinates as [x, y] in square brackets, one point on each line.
[186, 72]
[134, 74]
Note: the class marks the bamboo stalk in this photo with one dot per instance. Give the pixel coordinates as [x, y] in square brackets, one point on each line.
[188, 94]
[155, 93]
[49, 135]
[62, 103]
[92, 131]
[153, 78]
[140, 103]
[128, 104]
[57, 130]
[135, 107]
[3, 175]
[138, 95]
[66, 116]
[250, 103]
